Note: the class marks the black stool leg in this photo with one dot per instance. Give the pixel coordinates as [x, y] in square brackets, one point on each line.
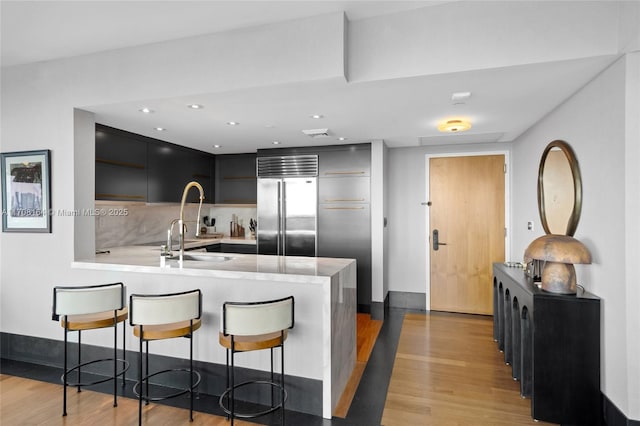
[64, 376]
[79, 359]
[191, 372]
[227, 371]
[124, 352]
[115, 361]
[140, 382]
[282, 373]
[146, 361]
[233, 397]
[272, 377]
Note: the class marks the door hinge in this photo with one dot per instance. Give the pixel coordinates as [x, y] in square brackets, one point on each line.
[505, 168]
[505, 232]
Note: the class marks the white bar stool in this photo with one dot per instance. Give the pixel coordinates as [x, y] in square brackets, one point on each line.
[164, 316]
[254, 326]
[89, 308]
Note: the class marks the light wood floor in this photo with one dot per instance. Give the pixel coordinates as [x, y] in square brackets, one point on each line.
[30, 402]
[448, 371]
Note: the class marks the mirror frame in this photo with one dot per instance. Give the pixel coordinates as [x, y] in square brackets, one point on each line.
[577, 186]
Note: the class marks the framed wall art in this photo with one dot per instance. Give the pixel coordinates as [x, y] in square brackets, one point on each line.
[26, 191]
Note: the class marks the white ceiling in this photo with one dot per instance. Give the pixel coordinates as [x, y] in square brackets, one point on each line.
[403, 112]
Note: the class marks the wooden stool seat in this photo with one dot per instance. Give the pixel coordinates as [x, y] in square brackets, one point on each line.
[253, 343]
[167, 331]
[94, 321]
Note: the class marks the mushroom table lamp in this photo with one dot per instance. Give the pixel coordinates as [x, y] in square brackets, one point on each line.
[558, 253]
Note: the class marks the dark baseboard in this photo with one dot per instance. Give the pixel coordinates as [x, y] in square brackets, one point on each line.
[408, 300]
[379, 310]
[613, 416]
[305, 394]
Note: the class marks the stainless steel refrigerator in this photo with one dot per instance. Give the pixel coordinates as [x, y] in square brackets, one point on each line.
[287, 205]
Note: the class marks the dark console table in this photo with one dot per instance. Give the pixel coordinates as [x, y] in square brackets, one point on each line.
[552, 342]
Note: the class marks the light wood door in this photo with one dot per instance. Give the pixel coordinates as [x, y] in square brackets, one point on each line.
[467, 210]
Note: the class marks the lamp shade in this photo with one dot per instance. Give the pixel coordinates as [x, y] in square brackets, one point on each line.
[558, 254]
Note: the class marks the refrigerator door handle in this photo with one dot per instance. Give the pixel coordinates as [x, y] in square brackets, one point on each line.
[283, 225]
[279, 234]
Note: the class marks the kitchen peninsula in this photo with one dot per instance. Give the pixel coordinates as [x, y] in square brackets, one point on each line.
[321, 349]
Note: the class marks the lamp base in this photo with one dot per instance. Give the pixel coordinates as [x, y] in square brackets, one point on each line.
[559, 278]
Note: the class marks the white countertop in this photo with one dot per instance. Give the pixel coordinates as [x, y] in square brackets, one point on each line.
[222, 265]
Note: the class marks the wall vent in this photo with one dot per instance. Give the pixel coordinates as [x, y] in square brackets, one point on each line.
[294, 165]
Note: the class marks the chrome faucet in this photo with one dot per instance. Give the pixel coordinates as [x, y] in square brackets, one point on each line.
[181, 222]
[167, 249]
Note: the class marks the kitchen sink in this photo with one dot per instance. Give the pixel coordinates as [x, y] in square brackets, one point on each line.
[206, 258]
[202, 257]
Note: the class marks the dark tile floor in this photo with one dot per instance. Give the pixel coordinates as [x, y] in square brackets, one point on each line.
[366, 408]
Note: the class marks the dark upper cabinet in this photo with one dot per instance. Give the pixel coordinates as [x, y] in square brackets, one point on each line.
[131, 167]
[121, 166]
[235, 179]
[172, 167]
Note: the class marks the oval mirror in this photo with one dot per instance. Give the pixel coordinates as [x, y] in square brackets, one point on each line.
[559, 189]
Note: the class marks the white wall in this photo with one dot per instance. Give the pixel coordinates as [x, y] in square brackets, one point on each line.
[378, 149]
[467, 35]
[408, 233]
[40, 109]
[600, 123]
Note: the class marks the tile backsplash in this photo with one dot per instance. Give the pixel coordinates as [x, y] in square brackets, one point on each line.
[149, 223]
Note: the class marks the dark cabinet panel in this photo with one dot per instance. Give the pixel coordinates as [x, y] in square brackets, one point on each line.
[131, 167]
[172, 167]
[235, 180]
[121, 166]
[344, 230]
[552, 342]
[353, 161]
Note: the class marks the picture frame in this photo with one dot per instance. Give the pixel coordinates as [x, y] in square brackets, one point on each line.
[26, 191]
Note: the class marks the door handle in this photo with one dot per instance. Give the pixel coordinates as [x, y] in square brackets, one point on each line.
[436, 242]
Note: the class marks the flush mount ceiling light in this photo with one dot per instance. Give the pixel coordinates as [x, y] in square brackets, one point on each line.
[232, 123]
[316, 116]
[460, 96]
[146, 110]
[276, 142]
[195, 106]
[342, 139]
[160, 129]
[455, 125]
[216, 146]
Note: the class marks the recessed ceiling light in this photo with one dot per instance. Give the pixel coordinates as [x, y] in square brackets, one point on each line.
[146, 110]
[160, 129]
[455, 125]
[195, 106]
[316, 116]
[276, 142]
[232, 123]
[342, 139]
[216, 146]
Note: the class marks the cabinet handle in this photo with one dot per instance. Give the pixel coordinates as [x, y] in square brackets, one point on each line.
[120, 163]
[129, 197]
[333, 200]
[361, 172]
[343, 208]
